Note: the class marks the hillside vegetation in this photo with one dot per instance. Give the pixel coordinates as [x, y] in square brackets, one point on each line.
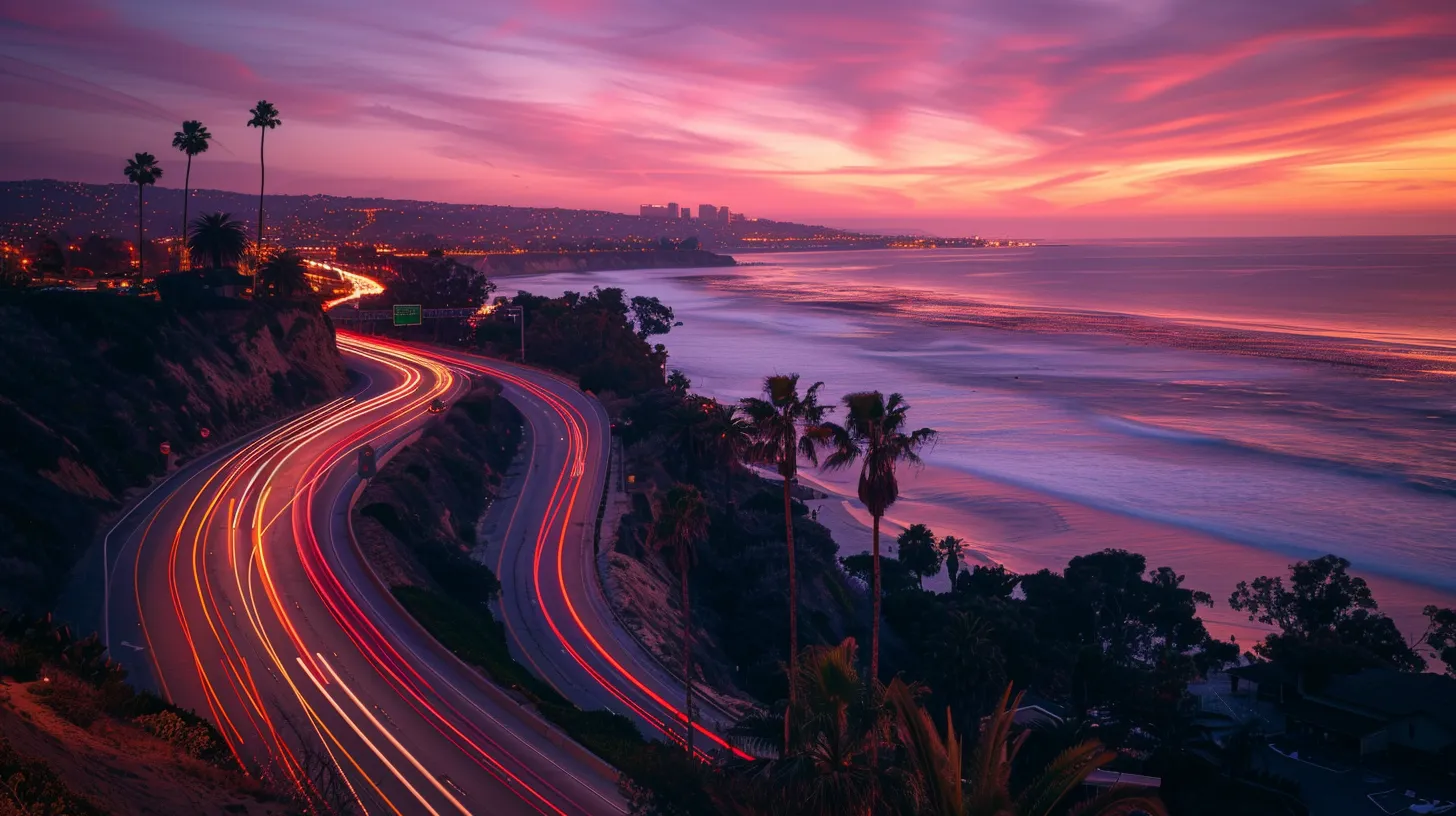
[91, 385]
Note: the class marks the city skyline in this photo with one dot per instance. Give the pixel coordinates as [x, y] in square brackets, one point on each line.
[1066, 121]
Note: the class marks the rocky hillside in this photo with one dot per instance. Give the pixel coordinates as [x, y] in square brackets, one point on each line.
[92, 384]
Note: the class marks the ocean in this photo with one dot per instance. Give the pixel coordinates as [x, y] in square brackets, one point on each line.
[1224, 407]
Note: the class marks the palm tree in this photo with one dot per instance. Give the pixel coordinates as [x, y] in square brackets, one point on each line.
[682, 522]
[217, 238]
[952, 549]
[787, 425]
[874, 435]
[282, 277]
[730, 436]
[944, 786]
[265, 118]
[192, 139]
[142, 169]
[827, 768]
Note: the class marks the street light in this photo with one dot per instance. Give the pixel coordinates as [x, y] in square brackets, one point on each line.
[518, 314]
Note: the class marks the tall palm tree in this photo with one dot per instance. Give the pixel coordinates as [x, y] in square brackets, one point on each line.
[217, 238]
[682, 523]
[142, 169]
[192, 139]
[874, 434]
[787, 425]
[282, 277]
[265, 118]
[946, 785]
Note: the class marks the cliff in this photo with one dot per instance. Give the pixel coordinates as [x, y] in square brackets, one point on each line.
[90, 386]
[530, 263]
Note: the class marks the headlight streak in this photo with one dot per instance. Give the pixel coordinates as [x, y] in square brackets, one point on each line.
[561, 505]
[255, 469]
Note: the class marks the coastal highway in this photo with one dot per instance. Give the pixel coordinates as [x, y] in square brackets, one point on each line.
[556, 615]
[234, 589]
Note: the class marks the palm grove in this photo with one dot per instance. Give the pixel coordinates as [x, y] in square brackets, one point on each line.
[217, 241]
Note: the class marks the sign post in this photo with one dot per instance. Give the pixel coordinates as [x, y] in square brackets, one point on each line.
[367, 467]
[408, 314]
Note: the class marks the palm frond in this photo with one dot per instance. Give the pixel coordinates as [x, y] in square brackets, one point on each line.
[1122, 800]
[1061, 777]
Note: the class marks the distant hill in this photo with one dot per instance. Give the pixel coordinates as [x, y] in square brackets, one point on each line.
[29, 209]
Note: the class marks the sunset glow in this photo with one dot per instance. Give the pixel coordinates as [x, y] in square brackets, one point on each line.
[1060, 118]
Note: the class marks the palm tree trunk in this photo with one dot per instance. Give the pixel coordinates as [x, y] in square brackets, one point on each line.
[262, 183]
[875, 638]
[687, 639]
[141, 233]
[793, 607]
[186, 193]
[875, 622]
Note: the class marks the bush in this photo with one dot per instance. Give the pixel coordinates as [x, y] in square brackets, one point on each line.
[193, 739]
[75, 700]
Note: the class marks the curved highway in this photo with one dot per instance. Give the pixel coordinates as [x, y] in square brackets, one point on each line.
[558, 620]
[235, 589]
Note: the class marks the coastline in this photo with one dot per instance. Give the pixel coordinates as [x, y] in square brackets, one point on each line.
[1027, 531]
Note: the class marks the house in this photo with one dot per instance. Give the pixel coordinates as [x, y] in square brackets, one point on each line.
[1409, 716]
[1265, 680]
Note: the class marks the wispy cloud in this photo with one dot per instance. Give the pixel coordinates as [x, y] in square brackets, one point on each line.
[856, 109]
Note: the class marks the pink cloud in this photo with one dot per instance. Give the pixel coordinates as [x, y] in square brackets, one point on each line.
[790, 109]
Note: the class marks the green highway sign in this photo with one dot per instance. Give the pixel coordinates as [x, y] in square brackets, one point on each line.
[408, 315]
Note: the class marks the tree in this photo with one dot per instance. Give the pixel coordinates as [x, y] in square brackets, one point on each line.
[965, 666]
[1328, 619]
[217, 239]
[945, 785]
[282, 277]
[50, 258]
[827, 767]
[652, 316]
[688, 244]
[730, 437]
[265, 118]
[787, 425]
[439, 283]
[192, 139]
[142, 169]
[678, 381]
[988, 581]
[682, 523]
[874, 434]
[1440, 635]
[952, 550]
[917, 551]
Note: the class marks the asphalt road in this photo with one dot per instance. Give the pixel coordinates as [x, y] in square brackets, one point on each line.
[234, 589]
[552, 604]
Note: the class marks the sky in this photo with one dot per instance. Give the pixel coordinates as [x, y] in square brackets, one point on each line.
[1034, 118]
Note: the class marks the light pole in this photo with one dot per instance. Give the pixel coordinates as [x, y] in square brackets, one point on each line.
[518, 313]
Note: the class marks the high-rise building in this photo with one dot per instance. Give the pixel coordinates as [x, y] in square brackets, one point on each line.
[724, 215]
[672, 209]
[707, 212]
[653, 211]
[686, 213]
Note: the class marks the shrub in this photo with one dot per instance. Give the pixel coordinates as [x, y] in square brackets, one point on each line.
[193, 739]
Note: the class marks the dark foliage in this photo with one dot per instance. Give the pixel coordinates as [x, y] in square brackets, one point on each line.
[586, 336]
[91, 384]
